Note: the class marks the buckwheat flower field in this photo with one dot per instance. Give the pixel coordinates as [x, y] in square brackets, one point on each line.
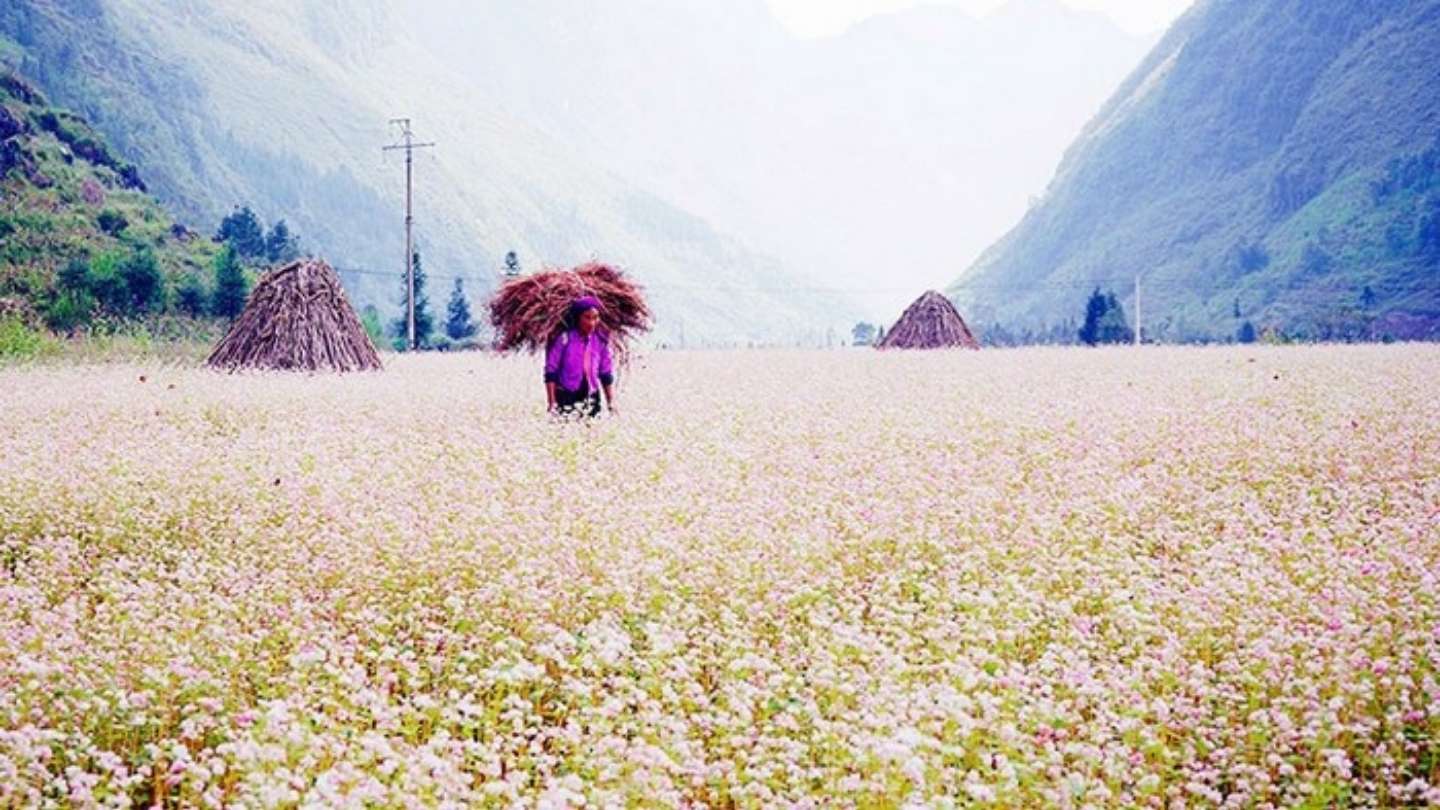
[1156, 578]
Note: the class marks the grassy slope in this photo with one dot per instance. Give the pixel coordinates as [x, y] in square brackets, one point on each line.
[1259, 126]
[63, 178]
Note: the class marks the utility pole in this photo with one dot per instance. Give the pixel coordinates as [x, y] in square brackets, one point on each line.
[407, 143]
[1137, 309]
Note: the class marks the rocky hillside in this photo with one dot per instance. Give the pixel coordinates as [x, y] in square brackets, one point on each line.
[80, 236]
[1275, 162]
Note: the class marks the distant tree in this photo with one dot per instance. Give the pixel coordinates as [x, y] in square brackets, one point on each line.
[1367, 298]
[424, 320]
[231, 286]
[1115, 328]
[145, 287]
[241, 230]
[374, 326]
[1094, 313]
[190, 296]
[512, 265]
[280, 244]
[880, 334]
[863, 333]
[458, 325]
[1246, 334]
[1237, 309]
[1104, 321]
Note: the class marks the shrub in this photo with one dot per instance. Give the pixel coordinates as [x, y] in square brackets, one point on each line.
[20, 342]
[75, 275]
[190, 297]
[112, 222]
[69, 311]
[107, 283]
[145, 287]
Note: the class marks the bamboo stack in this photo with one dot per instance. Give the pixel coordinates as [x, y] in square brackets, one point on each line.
[297, 319]
[932, 322]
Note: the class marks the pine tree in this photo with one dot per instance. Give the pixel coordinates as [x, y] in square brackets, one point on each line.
[1114, 327]
[1105, 321]
[241, 230]
[512, 265]
[424, 321]
[280, 244]
[458, 325]
[1094, 312]
[231, 286]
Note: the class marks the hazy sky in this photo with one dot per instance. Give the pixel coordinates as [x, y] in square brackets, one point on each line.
[822, 17]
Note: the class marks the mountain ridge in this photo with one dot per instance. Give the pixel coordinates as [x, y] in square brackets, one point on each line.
[1223, 169]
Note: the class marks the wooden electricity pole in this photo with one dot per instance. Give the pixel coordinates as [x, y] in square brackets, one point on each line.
[407, 143]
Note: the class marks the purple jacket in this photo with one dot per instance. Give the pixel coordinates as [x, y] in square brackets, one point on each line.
[574, 362]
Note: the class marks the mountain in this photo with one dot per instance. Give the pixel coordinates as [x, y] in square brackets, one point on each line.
[79, 234]
[284, 106]
[1275, 162]
[886, 157]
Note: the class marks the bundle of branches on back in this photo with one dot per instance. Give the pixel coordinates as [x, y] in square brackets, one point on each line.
[529, 312]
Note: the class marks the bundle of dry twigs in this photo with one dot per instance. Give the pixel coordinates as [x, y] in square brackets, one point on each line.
[297, 319]
[529, 312]
[932, 322]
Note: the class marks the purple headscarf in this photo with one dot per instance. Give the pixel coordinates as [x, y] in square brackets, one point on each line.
[580, 305]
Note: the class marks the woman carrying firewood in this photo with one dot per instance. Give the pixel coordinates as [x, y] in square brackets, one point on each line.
[578, 365]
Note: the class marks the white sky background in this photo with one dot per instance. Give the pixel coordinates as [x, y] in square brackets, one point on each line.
[815, 18]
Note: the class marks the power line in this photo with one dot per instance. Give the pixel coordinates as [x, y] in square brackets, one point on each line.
[1173, 284]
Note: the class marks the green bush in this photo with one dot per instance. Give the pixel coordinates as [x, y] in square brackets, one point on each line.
[122, 285]
[69, 311]
[20, 342]
[144, 285]
[374, 326]
[112, 222]
[75, 275]
[107, 283]
[190, 297]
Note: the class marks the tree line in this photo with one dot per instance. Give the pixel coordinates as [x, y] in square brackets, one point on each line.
[129, 283]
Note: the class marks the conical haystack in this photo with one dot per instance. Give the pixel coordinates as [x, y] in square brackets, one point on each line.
[932, 322]
[297, 319]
